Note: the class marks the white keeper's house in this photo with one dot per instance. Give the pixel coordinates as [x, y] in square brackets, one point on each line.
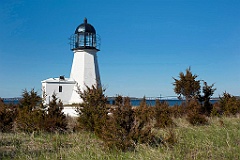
[85, 44]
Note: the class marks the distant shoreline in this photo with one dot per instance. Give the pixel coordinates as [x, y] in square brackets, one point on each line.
[134, 101]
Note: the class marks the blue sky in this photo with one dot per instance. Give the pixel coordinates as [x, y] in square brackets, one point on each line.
[144, 43]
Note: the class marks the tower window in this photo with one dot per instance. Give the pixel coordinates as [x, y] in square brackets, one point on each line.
[60, 88]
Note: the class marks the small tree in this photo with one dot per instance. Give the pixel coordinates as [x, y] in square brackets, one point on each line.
[187, 86]
[144, 113]
[55, 119]
[162, 115]
[143, 123]
[30, 112]
[127, 127]
[118, 131]
[229, 104]
[208, 91]
[93, 110]
[7, 116]
[194, 115]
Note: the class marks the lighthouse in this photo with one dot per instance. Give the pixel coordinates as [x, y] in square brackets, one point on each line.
[84, 43]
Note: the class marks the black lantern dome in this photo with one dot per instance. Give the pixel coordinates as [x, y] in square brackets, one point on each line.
[85, 37]
[85, 27]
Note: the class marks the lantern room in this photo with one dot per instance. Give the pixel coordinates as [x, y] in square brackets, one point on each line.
[85, 37]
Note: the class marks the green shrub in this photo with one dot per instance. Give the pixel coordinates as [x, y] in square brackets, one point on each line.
[216, 110]
[30, 112]
[194, 115]
[162, 115]
[93, 110]
[187, 86]
[118, 131]
[7, 116]
[128, 127]
[143, 123]
[206, 105]
[197, 119]
[229, 104]
[55, 120]
[144, 113]
[34, 116]
[177, 111]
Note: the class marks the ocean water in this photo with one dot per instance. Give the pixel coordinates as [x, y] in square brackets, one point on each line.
[152, 102]
[171, 102]
[11, 101]
[134, 102]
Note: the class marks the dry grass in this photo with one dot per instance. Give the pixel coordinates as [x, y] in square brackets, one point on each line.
[218, 140]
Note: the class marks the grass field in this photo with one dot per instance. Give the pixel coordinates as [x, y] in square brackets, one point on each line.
[218, 140]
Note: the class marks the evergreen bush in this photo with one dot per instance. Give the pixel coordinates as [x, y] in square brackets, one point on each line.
[143, 123]
[216, 110]
[93, 110]
[34, 116]
[206, 106]
[229, 104]
[187, 86]
[31, 112]
[55, 120]
[128, 127]
[7, 116]
[194, 115]
[162, 115]
[118, 131]
[177, 111]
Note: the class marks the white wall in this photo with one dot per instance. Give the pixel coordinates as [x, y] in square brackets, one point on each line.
[51, 87]
[84, 70]
[70, 111]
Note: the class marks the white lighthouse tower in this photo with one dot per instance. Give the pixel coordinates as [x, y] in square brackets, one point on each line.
[85, 45]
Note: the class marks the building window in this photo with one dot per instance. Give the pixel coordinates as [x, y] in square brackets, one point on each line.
[60, 88]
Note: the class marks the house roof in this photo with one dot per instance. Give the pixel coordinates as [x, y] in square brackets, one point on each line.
[59, 80]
